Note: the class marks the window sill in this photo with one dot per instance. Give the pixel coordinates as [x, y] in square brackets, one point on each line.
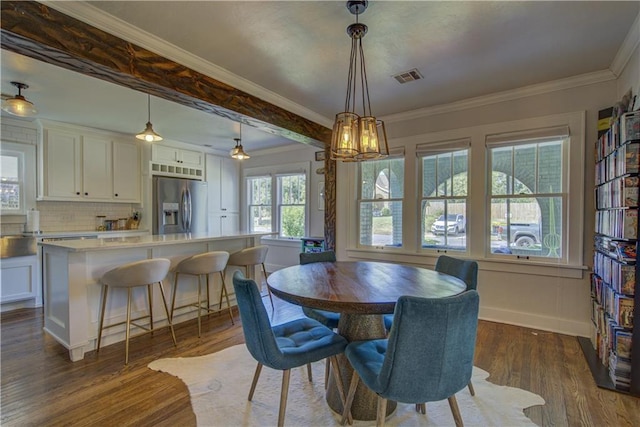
[288, 242]
[400, 256]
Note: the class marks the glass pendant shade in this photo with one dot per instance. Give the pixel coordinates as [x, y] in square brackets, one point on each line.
[373, 139]
[344, 139]
[238, 152]
[148, 134]
[18, 105]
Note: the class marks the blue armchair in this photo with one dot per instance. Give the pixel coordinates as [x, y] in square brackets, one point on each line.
[427, 357]
[285, 346]
[329, 319]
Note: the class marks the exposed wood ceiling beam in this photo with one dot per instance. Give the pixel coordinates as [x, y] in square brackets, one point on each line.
[37, 31]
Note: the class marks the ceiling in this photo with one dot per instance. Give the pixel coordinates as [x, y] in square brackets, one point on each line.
[295, 55]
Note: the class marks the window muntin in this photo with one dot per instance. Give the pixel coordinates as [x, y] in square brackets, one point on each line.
[443, 209]
[381, 192]
[291, 201]
[260, 205]
[526, 199]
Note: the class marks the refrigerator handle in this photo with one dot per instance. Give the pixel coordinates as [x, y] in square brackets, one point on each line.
[189, 210]
[183, 210]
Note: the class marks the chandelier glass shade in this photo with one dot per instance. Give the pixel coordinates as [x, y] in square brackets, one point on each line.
[238, 152]
[358, 137]
[19, 105]
[148, 134]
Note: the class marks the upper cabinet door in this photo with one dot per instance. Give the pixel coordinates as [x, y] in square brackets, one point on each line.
[229, 185]
[62, 165]
[96, 161]
[126, 171]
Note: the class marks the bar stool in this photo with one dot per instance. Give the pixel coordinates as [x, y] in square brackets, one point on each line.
[131, 275]
[202, 265]
[250, 257]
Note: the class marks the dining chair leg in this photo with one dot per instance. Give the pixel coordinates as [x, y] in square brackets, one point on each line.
[453, 404]
[166, 311]
[104, 305]
[349, 400]
[284, 393]
[255, 381]
[421, 408]
[226, 294]
[471, 390]
[336, 376]
[128, 325]
[326, 374]
[309, 374]
[382, 411]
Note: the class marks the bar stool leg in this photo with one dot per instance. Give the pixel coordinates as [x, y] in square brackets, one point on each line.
[166, 310]
[150, 296]
[104, 305]
[175, 291]
[126, 346]
[226, 294]
[264, 271]
[199, 304]
[208, 297]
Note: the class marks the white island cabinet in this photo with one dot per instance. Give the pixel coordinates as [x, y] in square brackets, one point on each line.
[71, 276]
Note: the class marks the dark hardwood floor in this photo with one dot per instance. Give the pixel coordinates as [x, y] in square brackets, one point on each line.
[41, 386]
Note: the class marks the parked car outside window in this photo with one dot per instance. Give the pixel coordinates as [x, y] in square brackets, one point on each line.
[452, 223]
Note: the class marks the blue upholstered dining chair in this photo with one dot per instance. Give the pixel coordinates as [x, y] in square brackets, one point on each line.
[427, 357]
[285, 346]
[465, 270]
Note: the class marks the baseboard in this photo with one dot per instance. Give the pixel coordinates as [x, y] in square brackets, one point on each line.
[533, 321]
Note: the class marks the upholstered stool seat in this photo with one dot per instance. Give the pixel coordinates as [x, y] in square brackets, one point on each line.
[202, 265]
[250, 257]
[131, 275]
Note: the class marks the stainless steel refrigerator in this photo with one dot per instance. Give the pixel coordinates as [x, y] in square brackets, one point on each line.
[179, 205]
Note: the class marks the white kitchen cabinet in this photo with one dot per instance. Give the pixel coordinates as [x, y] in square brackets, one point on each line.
[172, 155]
[61, 162]
[96, 168]
[18, 279]
[80, 165]
[224, 224]
[223, 176]
[126, 171]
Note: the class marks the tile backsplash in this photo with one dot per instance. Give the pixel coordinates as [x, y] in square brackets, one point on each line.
[79, 216]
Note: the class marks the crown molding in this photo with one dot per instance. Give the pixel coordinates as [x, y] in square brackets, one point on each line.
[627, 48]
[509, 95]
[110, 24]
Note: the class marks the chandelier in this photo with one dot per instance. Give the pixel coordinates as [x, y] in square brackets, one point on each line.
[358, 137]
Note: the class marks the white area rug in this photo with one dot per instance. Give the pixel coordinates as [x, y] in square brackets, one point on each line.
[219, 385]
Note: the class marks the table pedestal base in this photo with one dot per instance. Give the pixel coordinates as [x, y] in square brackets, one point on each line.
[356, 327]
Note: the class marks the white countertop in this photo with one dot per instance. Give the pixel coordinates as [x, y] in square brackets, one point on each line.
[142, 241]
[88, 233]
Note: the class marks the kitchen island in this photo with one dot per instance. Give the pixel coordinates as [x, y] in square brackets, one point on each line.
[71, 278]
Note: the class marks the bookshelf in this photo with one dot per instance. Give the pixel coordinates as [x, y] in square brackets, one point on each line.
[613, 352]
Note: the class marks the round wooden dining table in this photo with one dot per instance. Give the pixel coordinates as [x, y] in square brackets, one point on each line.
[361, 292]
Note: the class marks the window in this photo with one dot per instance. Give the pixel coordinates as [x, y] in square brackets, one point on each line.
[278, 202]
[259, 195]
[443, 207]
[17, 178]
[292, 190]
[380, 202]
[527, 196]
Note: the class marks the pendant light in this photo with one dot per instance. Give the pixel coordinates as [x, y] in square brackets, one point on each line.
[18, 105]
[358, 137]
[238, 152]
[148, 134]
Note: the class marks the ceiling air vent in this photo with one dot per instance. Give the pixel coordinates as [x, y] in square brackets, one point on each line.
[408, 76]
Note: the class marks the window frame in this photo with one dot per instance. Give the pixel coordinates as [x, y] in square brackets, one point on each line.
[273, 172]
[279, 205]
[250, 205]
[434, 149]
[26, 180]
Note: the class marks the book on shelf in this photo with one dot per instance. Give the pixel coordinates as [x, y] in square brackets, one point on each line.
[623, 306]
[624, 251]
[622, 340]
[630, 127]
